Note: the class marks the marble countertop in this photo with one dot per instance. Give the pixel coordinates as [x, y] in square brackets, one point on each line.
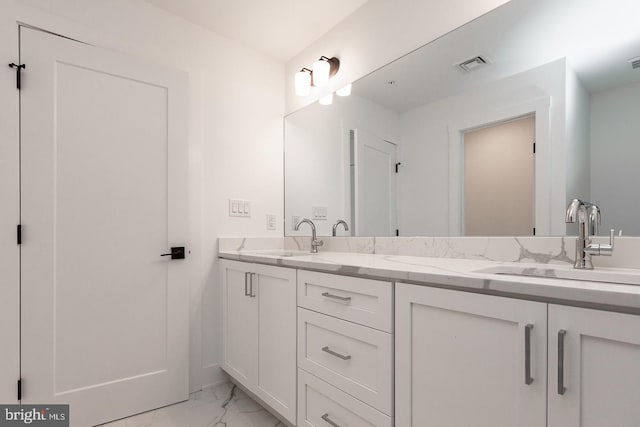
[462, 274]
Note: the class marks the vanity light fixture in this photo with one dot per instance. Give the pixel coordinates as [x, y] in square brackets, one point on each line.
[323, 69]
[345, 91]
[326, 100]
[303, 82]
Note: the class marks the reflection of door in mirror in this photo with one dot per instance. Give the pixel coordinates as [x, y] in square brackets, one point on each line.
[498, 179]
[373, 185]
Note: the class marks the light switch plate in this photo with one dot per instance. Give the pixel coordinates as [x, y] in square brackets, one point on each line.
[319, 213]
[240, 208]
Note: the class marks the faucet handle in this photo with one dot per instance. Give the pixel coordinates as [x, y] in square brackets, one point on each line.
[602, 248]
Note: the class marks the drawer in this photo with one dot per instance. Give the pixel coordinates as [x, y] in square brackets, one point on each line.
[317, 399]
[363, 301]
[354, 358]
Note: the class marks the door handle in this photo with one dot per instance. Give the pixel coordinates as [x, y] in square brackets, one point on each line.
[326, 349]
[251, 293]
[177, 252]
[246, 284]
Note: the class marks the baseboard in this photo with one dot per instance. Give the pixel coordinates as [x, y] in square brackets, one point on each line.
[209, 376]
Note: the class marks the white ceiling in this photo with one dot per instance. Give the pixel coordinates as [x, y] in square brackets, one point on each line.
[278, 28]
[596, 37]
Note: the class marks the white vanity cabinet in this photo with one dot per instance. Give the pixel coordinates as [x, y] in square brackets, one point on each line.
[259, 331]
[465, 359]
[594, 368]
[345, 351]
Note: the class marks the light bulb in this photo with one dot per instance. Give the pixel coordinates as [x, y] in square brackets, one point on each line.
[321, 70]
[326, 100]
[345, 91]
[303, 83]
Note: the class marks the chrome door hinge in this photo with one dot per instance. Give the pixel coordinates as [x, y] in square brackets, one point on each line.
[18, 69]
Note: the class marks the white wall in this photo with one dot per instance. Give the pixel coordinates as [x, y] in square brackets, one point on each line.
[317, 157]
[378, 33]
[235, 134]
[423, 181]
[578, 143]
[615, 156]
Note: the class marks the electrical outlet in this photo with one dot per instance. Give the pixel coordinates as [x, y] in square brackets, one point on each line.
[271, 222]
[294, 221]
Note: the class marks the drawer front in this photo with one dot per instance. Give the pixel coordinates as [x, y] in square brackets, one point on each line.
[352, 357]
[363, 301]
[320, 404]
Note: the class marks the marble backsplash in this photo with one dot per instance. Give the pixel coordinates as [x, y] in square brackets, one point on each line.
[544, 250]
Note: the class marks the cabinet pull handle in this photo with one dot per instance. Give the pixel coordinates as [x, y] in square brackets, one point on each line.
[246, 284]
[329, 421]
[561, 387]
[251, 294]
[326, 349]
[527, 354]
[338, 297]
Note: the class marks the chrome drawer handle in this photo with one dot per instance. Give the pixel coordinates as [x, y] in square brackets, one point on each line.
[328, 420]
[338, 297]
[326, 349]
[528, 379]
[561, 387]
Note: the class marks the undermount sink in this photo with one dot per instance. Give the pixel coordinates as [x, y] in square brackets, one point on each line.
[598, 275]
[283, 253]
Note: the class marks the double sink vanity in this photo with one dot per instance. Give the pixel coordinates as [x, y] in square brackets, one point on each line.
[389, 338]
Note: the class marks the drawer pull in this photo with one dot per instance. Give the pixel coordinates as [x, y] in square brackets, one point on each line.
[528, 379]
[246, 284]
[329, 421]
[561, 387]
[336, 297]
[326, 349]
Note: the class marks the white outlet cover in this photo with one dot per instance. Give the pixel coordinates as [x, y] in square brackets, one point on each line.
[271, 222]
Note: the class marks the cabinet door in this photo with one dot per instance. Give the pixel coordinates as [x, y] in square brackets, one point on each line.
[594, 368]
[275, 290]
[461, 359]
[239, 323]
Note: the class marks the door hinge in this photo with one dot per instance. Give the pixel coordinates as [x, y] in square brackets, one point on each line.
[534, 148]
[20, 389]
[18, 69]
[397, 164]
[19, 234]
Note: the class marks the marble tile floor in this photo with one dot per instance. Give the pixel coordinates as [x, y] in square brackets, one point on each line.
[223, 405]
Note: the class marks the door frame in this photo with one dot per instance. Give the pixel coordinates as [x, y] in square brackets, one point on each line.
[541, 109]
[9, 211]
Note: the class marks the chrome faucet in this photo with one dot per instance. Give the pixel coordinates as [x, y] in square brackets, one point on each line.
[314, 241]
[587, 215]
[335, 227]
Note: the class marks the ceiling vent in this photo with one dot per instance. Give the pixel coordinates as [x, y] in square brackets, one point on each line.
[473, 64]
[635, 62]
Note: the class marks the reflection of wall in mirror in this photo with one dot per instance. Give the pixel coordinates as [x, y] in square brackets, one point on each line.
[317, 158]
[615, 157]
[423, 184]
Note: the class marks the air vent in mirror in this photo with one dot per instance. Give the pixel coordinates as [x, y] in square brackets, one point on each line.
[472, 64]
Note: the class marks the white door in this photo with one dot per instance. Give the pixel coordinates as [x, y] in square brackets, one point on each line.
[464, 359]
[103, 167]
[275, 290]
[239, 322]
[375, 185]
[498, 179]
[594, 368]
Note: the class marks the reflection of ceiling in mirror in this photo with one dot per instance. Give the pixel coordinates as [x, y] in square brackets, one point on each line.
[596, 37]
